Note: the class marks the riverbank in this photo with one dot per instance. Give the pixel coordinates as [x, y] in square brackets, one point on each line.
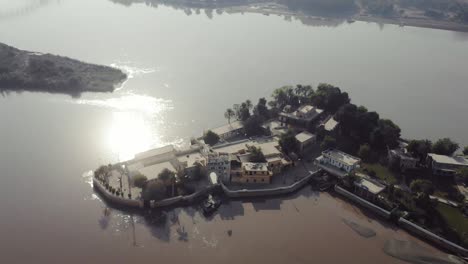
[37, 72]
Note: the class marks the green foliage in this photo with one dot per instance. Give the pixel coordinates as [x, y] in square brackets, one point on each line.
[256, 154]
[261, 109]
[166, 175]
[328, 142]
[364, 152]
[243, 110]
[154, 190]
[253, 126]
[419, 148]
[288, 142]
[422, 186]
[386, 134]
[229, 114]
[139, 180]
[329, 97]
[445, 146]
[360, 126]
[211, 138]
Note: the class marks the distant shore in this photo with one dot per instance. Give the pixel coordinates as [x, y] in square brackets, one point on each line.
[36, 72]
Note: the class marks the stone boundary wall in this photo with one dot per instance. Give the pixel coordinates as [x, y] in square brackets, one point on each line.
[442, 242]
[374, 208]
[268, 192]
[116, 199]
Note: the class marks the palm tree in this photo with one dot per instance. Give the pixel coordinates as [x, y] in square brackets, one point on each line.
[229, 114]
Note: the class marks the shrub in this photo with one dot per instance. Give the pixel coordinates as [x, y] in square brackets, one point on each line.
[211, 138]
[422, 186]
[139, 180]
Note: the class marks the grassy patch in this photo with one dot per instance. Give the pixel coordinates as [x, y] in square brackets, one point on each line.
[381, 172]
[454, 218]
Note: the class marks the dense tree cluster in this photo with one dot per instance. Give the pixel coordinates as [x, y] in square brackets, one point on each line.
[211, 138]
[445, 146]
[360, 126]
[256, 154]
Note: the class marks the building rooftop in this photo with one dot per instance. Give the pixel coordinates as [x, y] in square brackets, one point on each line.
[330, 124]
[155, 152]
[370, 185]
[191, 159]
[341, 156]
[307, 112]
[235, 125]
[252, 166]
[269, 146]
[457, 160]
[304, 136]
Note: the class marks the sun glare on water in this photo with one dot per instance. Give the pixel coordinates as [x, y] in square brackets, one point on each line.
[136, 123]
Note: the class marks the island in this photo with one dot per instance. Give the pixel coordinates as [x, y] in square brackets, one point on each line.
[37, 72]
[305, 136]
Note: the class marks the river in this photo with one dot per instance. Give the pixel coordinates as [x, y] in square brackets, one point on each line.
[184, 71]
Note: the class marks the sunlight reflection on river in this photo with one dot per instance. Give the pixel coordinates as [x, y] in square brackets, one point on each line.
[136, 123]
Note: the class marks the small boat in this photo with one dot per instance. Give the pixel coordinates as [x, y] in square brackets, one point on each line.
[210, 205]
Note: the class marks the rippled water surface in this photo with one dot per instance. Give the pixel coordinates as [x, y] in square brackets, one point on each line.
[185, 70]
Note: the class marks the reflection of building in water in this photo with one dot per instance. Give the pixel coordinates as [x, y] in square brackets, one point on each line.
[330, 13]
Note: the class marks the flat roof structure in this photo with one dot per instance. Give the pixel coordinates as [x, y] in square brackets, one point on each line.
[233, 126]
[304, 136]
[369, 185]
[457, 160]
[155, 152]
[330, 124]
[252, 166]
[341, 156]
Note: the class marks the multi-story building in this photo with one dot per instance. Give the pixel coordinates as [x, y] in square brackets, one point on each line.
[219, 163]
[337, 162]
[251, 172]
[405, 161]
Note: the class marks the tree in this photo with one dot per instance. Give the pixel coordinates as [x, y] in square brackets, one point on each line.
[256, 154]
[229, 114]
[166, 175]
[154, 190]
[419, 148]
[211, 138]
[253, 126]
[422, 186]
[139, 180]
[288, 142]
[445, 146]
[261, 109]
[465, 151]
[329, 97]
[243, 112]
[385, 135]
[328, 143]
[364, 152]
